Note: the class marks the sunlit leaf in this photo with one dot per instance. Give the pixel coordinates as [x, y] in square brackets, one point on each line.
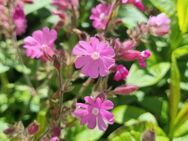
[182, 12]
[143, 78]
[131, 16]
[124, 113]
[166, 6]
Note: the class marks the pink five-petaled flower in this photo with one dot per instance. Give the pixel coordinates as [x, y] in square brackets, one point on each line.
[100, 15]
[19, 19]
[95, 112]
[137, 3]
[159, 25]
[40, 44]
[94, 57]
[121, 73]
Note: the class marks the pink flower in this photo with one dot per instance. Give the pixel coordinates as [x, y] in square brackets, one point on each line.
[19, 19]
[159, 25]
[144, 55]
[125, 89]
[100, 15]
[95, 112]
[137, 3]
[41, 43]
[94, 57]
[121, 73]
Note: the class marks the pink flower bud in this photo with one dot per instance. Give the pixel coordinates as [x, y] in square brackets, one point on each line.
[130, 55]
[28, 1]
[56, 131]
[136, 3]
[19, 19]
[33, 128]
[144, 55]
[121, 73]
[9, 131]
[125, 89]
[139, 5]
[159, 25]
[129, 44]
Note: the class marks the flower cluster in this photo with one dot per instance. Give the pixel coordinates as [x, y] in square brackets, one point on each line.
[99, 56]
[16, 14]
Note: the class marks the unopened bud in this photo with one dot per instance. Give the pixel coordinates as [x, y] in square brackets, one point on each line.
[33, 128]
[148, 135]
[130, 55]
[125, 89]
[9, 131]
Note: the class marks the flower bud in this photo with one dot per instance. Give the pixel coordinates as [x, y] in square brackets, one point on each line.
[137, 3]
[56, 131]
[129, 44]
[159, 25]
[130, 55]
[9, 131]
[148, 135]
[125, 89]
[33, 128]
[144, 55]
[121, 73]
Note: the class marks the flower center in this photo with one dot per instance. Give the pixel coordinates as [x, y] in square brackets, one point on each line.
[44, 47]
[95, 55]
[95, 111]
[102, 15]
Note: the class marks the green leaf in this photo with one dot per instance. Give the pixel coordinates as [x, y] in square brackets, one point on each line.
[89, 135]
[134, 130]
[182, 129]
[184, 138]
[182, 12]
[124, 113]
[131, 16]
[142, 78]
[82, 133]
[179, 52]
[181, 119]
[174, 96]
[41, 119]
[38, 4]
[166, 6]
[175, 93]
[3, 68]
